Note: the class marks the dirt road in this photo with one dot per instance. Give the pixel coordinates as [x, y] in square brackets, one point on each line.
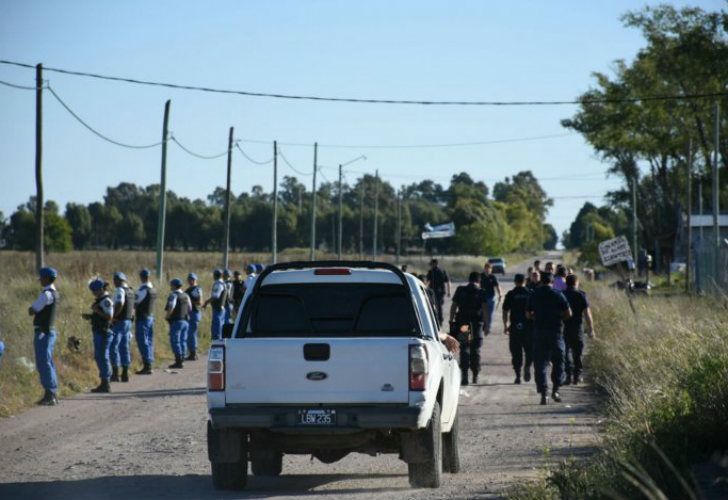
[147, 440]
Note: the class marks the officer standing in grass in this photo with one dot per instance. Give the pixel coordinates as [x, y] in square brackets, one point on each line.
[218, 299]
[519, 328]
[120, 350]
[43, 311]
[439, 282]
[489, 283]
[548, 308]
[574, 330]
[468, 311]
[102, 312]
[194, 292]
[178, 309]
[146, 296]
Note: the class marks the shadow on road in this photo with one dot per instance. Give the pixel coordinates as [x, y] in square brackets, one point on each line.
[189, 487]
[158, 393]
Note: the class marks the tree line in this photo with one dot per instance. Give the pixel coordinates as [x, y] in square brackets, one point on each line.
[512, 218]
[647, 141]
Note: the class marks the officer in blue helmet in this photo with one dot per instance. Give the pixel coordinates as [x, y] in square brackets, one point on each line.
[195, 294]
[227, 278]
[101, 316]
[120, 350]
[146, 296]
[218, 299]
[251, 270]
[178, 309]
[43, 311]
[259, 268]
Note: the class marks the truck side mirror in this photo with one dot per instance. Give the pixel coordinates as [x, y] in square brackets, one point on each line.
[227, 330]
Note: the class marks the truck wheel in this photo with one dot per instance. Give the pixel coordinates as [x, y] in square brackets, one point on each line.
[450, 449]
[229, 476]
[429, 473]
[267, 463]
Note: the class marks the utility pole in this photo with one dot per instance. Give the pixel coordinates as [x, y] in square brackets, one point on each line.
[312, 254]
[274, 235]
[226, 249]
[399, 224]
[376, 214]
[716, 200]
[162, 194]
[39, 202]
[341, 205]
[361, 219]
[700, 208]
[634, 217]
[689, 253]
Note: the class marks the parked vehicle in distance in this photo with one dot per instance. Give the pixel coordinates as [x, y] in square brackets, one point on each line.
[329, 358]
[498, 265]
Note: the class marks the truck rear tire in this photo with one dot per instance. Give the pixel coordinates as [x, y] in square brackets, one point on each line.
[428, 474]
[267, 463]
[229, 476]
[450, 448]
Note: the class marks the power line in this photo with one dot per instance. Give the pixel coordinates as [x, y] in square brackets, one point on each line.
[197, 155]
[251, 160]
[16, 86]
[285, 160]
[370, 100]
[96, 132]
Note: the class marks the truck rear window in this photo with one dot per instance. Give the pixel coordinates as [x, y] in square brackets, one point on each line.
[332, 309]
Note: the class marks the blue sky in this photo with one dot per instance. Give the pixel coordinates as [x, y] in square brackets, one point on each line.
[471, 50]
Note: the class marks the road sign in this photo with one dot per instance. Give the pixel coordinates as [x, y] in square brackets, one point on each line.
[441, 231]
[615, 251]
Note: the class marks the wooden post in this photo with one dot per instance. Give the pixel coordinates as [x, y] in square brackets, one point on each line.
[689, 252]
[226, 243]
[716, 198]
[274, 235]
[376, 214]
[341, 218]
[399, 225]
[312, 254]
[361, 219]
[162, 194]
[634, 218]
[39, 202]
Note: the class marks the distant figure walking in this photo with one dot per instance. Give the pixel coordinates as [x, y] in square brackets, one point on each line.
[489, 284]
[519, 327]
[467, 315]
[574, 330]
[439, 282]
[43, 311]
[534, 280]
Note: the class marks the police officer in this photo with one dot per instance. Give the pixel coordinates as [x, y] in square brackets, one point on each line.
[489, 283]
[146, 296]
[102, 312]
[439, 282]
[250, 271]
[519, 328]
[238, 291]
[548, 308]
[218, 299]
[228, 296]
[194, 292]
[43, 311]
[534, 280]
[574, 330]
[178, 309]
[120, 350]
[467, 316]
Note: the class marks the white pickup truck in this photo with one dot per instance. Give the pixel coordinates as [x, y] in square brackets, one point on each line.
[329, 358]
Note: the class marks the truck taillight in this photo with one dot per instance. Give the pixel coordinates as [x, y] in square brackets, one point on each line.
[216, 369]
[418, 367]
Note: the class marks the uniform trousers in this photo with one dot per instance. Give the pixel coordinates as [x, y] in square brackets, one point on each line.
[43, 343]
[120, 350]
[102, 342]
[548, 347]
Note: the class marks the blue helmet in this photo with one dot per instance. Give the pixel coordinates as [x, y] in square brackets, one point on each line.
[177, 283]
[259, 267]
[217, 273]
[250, 268]
[144, 273]
[48, 272]
[96, 284]
[226, 273]
[192, 276]
[118, 275]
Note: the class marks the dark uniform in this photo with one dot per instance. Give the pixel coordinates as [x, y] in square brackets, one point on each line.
[489, 284]
[532, 286]
[194, 292]
[520, 331]
[238, 292]
[437, 278]
[574, 332]
[144, 312]
[470, 300]
[548, 306]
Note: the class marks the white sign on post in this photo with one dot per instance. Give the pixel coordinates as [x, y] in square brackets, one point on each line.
[615, 251]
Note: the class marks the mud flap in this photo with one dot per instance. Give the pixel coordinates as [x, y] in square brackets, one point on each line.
[225, 445]
[415, 448]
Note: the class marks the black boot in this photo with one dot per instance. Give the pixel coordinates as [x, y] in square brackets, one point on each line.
[527, 374]
[556, 396]
[577, 379]
[544, 398]
[464, 377]
[103, 386]
[146, 370]
[177, 362]
[48, 399]
[192, 356]
[125, 374]
[568, 379]
[518, 377]
[114, 374]
[475, 378]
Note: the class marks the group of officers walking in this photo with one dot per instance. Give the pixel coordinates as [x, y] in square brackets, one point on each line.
[543, 316]
[111, 316]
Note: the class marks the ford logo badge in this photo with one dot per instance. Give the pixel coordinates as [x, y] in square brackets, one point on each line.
[316, 376]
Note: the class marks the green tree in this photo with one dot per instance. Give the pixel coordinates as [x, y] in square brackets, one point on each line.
[79, 218]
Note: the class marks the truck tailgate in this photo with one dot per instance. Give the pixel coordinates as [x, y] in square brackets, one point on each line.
[358, 370]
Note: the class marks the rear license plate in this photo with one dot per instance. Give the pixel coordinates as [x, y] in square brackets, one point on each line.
[316, 417]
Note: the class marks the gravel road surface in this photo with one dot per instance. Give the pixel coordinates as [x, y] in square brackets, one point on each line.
[147, 440]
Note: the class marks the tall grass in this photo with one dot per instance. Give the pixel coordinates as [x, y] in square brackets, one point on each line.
[664, 374]
[19, 386]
